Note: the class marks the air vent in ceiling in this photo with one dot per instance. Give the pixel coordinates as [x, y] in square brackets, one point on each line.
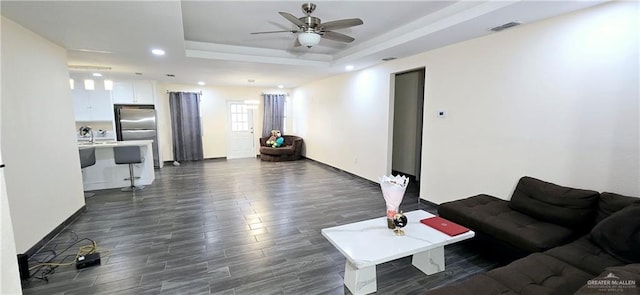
[505, 26]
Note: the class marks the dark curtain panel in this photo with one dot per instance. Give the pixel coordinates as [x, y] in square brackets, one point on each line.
[185, 124]
[273, 113]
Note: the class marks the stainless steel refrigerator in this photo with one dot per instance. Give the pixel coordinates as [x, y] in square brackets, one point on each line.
[137, 123]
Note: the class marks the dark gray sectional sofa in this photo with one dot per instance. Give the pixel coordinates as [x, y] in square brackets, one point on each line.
[576, 239]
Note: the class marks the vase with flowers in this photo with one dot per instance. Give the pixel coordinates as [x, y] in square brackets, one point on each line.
[393, 188]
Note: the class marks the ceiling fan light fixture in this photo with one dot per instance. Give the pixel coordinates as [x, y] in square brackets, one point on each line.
[309, 39]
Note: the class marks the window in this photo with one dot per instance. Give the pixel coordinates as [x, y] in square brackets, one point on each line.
[239, 117]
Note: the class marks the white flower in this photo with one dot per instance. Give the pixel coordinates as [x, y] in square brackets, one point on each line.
[393, 188]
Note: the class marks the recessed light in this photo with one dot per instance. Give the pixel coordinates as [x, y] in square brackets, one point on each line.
[201, 83]
[348, 68]
[97, 75]
[280, 86]
[157, 51]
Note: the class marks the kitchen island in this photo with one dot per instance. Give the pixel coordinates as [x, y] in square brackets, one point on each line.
[106, 174]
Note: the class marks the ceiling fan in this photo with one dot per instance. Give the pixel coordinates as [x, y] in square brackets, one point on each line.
[311, 29]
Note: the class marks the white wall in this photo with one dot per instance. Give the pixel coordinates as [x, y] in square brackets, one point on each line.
[213, 108]
[9, 277]
[43, 178]
[344, 121]
[556, 100]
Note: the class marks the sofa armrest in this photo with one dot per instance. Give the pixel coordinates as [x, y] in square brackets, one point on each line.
[297, 147]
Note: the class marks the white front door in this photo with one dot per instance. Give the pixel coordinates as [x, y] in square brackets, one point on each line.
[240, 140]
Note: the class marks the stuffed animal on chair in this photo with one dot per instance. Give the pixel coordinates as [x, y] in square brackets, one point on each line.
[273, 138]
[279, 141]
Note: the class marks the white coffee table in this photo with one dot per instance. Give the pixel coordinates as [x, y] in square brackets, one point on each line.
[368, 243]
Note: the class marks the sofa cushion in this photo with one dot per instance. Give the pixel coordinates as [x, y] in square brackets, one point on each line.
[536, 274]
[539, 273]
[493, 217]
[610, 203]
[614, 280]
[284, 150]
[619, 234]
[289, 139]
[585, 255]
[553, 203]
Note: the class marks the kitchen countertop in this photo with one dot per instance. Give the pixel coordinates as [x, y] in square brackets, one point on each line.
[111, 143]
[106, 174]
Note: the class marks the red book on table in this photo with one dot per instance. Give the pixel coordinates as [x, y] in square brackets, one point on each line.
[445, 226]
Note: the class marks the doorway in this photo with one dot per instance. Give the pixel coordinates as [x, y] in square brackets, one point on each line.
[408, 109]
[240, 139]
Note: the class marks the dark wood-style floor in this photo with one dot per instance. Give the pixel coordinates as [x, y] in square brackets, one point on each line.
[237, 227]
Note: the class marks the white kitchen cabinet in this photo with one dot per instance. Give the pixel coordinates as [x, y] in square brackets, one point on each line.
[101, 106]
[133, 92]
[92, 105]
[122, 92]
[144, 92]
[81, 108]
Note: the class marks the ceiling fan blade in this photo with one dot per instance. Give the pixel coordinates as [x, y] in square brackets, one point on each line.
[337, 37]
[341, 24]
[290, 17]
[270, 32]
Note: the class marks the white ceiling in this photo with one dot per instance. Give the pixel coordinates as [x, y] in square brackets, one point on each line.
[210, 41]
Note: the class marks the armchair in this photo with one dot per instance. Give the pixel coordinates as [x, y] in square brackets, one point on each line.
[289, 151]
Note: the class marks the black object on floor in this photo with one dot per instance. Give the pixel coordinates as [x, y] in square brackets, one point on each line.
[88, 260]
[23, 266]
